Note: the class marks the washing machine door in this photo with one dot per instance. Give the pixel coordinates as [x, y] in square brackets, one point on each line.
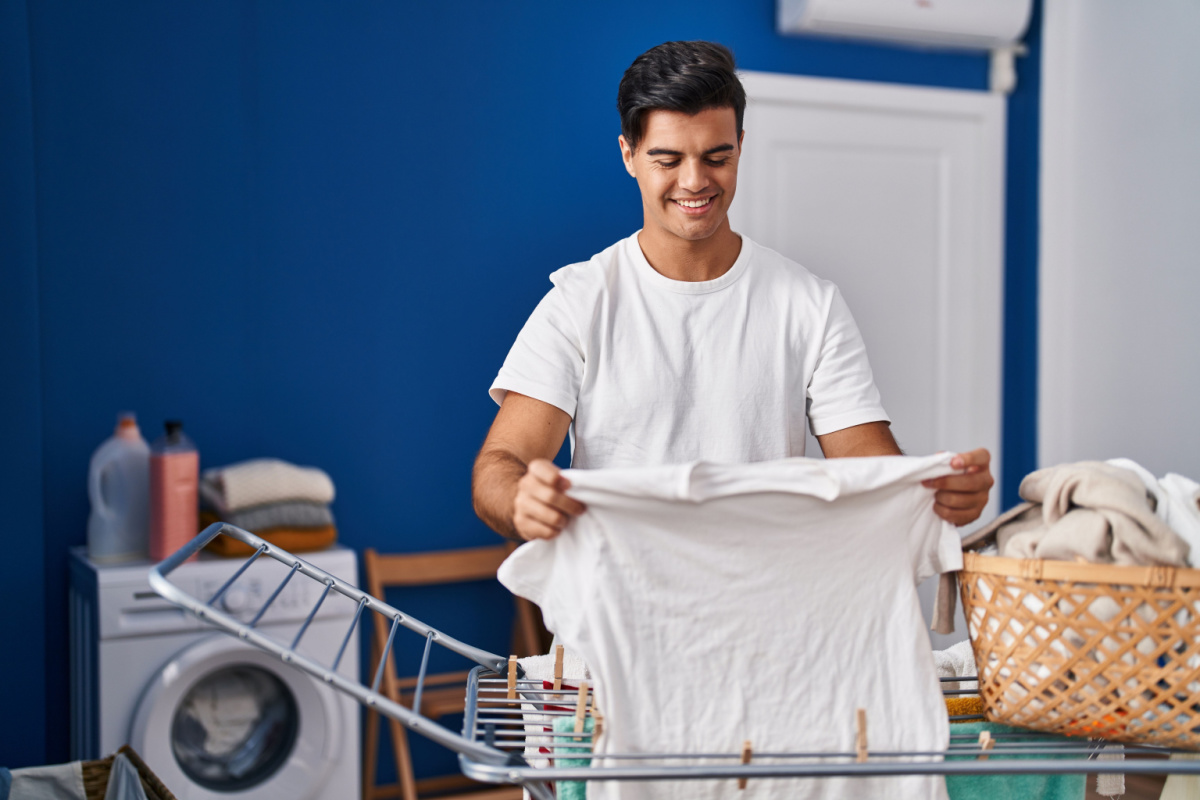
[223, 720]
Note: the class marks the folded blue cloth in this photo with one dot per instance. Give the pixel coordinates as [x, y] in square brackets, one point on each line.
[5, 782]
[1012, 786]
[571, 790]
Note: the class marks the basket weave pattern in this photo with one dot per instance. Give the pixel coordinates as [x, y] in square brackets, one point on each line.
[1084, 657]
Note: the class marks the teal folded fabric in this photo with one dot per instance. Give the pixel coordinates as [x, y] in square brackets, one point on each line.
[1012, 786]
[571, 790]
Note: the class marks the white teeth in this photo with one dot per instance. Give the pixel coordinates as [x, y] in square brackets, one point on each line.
[694, 203]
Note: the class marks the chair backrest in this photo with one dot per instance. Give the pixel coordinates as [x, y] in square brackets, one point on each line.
[423, 569]
[384, 571]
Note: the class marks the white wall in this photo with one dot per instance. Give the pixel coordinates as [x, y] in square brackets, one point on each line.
[1120, 254]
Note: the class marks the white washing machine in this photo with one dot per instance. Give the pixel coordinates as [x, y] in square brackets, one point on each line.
[213, 717]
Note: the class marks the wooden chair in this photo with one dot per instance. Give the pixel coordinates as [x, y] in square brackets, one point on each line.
[444, 693]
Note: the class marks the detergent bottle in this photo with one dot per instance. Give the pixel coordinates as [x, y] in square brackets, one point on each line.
[174, 492]
[119, 491]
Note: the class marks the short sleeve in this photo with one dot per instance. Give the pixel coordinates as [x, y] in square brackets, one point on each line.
[934, 545]
[546, 360]
[841, 392]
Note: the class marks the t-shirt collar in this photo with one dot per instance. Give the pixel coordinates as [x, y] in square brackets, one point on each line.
[634, 252]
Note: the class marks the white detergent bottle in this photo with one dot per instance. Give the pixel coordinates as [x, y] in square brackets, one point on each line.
[119, 490]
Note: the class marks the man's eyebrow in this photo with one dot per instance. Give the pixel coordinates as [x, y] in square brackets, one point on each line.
[662, 151]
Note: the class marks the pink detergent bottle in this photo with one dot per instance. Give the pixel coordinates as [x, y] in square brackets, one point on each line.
[174, 485]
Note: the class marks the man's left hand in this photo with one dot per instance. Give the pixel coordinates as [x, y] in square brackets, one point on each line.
[961, 498]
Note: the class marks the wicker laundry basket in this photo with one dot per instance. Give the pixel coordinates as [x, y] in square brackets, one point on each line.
[1087, 649]
[96, 774]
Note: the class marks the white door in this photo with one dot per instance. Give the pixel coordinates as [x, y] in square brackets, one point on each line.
[896, 194]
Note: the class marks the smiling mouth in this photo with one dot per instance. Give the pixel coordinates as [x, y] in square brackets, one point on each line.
[695, 205]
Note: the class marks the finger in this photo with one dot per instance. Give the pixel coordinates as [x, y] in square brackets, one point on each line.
[961, 500]
[543, 471]
[549, 496]
[976, 482]
[567, 505]
[956, 516]
[530, 529]
[526, 507]
[548, 515]
[979, 457]
[550, 492]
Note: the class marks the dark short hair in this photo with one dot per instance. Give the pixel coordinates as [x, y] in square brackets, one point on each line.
[678, 76]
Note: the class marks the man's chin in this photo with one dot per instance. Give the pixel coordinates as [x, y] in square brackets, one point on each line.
[696, 234]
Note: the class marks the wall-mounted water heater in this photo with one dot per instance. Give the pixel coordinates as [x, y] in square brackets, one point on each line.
[957, 24]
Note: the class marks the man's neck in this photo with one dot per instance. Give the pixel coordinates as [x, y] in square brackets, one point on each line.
[683, 260]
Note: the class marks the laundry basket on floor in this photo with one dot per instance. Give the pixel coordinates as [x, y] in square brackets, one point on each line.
[96, 774]
[1091, 650]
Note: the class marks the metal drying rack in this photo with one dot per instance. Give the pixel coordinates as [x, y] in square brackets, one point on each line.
[493, 742]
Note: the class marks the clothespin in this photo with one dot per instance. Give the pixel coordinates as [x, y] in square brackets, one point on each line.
[986, 742]
[746, 754]
[581, 706]
[597, 721]
[860, 740]
[558, 661]
[512, 677]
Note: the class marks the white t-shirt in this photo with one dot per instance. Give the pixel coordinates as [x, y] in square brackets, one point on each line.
[765, 602]
[658, 371]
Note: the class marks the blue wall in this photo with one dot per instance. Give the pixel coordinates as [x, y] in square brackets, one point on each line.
[311, 230]
[22, 613]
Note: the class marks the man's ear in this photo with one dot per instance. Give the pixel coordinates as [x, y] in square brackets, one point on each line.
[627, 156]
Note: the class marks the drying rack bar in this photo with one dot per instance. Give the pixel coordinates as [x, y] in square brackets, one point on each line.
[494, 737]
[208, 612]
[487, 720]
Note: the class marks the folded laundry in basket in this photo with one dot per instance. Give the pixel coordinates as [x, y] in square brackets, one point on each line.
[53, 782]
[294, 540]
[1175, 503]
[261, 481]
[1092, 510]
[718, 604]
[288, 514]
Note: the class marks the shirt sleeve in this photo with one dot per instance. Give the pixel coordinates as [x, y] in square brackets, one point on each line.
[841, 392]
[546, 360]
[934, 545]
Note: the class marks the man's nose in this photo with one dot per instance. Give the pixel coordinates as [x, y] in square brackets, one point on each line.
[693, 176]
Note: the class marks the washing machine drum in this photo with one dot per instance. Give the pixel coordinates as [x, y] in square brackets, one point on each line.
[223, 719]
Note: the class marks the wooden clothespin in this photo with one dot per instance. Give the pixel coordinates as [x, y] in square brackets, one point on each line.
[986, 742]
[581, 706]
[558, 661]
[597, 721]
[746, 755]
[860, 740]
[512, 677]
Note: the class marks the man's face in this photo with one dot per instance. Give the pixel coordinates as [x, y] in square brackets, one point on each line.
[686, 168]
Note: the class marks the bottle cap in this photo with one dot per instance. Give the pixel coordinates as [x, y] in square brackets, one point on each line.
[174, 428]
[127, 426]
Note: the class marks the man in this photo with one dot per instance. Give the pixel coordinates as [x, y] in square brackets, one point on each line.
[685, 341]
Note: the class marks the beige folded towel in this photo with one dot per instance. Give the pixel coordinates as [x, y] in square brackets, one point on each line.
[1090, 510]
[262, 481]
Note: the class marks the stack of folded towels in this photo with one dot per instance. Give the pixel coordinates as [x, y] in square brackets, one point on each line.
[285, 504]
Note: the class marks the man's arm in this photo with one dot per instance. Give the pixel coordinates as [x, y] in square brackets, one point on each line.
[871, 439]
[515, 486]
[959, 499]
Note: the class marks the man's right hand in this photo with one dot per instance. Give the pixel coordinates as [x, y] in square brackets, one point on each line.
[541, 509]
[515, 487]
